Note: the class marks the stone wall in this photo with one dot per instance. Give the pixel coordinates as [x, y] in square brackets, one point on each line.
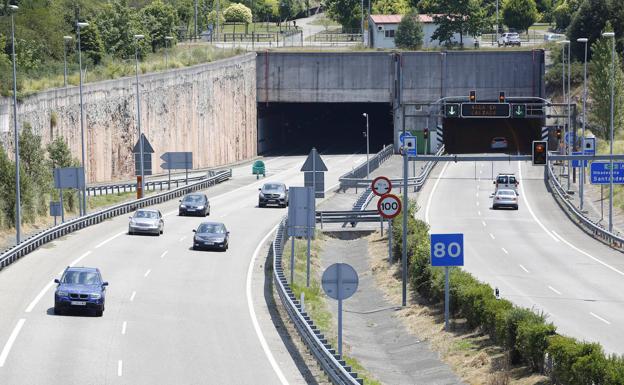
[209, 109]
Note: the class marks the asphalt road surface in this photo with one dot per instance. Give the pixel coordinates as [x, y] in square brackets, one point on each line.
[173, 315]
[536, 256]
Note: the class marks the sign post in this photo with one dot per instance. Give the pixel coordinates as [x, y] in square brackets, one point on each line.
[447, 250]
[177, 161]
[340, 281]
[55, 210]
[380, 187]
[301, 221]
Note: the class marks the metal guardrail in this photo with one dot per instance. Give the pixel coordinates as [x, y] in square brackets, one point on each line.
[351, 178]
[123, 187]
[561, 196]
[14, 253]
[332, 364]
[348, 216]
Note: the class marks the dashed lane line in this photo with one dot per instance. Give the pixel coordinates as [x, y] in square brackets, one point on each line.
[592, 314]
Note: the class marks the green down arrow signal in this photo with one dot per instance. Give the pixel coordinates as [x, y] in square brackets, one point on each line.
[519, 110]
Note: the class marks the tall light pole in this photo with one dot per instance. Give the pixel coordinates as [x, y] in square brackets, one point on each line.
[167, 39]
[367, 147]
[583, 40]
[362, 22]
[496, 36]
[611, 35]
[136, 57]
[80, 25]
[566, 97]
[18, 203]
[66, 40]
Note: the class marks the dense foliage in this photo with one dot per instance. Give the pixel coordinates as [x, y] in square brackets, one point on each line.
[519, 14]
[409, 34]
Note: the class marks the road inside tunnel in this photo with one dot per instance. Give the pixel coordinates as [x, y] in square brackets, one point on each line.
[333, 128]
[465, 136]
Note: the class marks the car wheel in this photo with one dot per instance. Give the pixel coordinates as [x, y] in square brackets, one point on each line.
[516, 207]
[99, 312]
[194, 247]
[261, 204]
[130, 232]
[162, 231]
[494, 207]
[58, 311]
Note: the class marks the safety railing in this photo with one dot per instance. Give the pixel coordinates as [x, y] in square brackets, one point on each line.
[122, 187]
[562, 198]
[351, 178]
[331, 363]
[349, 216]
[11, 255]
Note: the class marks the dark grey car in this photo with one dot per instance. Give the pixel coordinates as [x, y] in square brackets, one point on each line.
[194, 204]
[273, 194]
[211, 235]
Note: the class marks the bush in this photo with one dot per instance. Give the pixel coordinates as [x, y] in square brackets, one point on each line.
[238, 13]
[532, 341]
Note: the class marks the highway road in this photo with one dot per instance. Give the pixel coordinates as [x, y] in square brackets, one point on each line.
[536, 256]
[173, 315]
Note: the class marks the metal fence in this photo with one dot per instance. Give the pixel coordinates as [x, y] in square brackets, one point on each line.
[14, 253]
[123, 187]
[353, 177]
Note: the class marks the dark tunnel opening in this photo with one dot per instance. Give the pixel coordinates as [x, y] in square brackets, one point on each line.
[465, 136]
[338, 128]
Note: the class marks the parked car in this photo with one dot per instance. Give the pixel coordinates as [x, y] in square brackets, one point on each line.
[194, 204]
[146, 221]
[554, 37]
[505, 198]
[211, 235]
[509, 38]
[499, 143]
[506, 181]
[273, 194]
[80, 288]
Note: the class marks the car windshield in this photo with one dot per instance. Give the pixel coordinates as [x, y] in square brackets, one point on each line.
[514, 35]
[272, 186]
[502, 179]
[81, 277]
[506, 192]
[193, 199]
[146, 214]
[512, 179]
[211, 228]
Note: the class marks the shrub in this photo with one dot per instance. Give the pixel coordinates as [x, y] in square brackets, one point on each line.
[532, 341]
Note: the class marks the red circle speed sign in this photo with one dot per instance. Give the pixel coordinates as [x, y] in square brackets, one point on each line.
[381, 186]
[389, 206]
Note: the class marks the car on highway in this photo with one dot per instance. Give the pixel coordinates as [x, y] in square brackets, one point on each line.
[211, 235]
[509, 38]
[505, 198]
[499, 143]
[506, 181]
[273, 194]
[195, 204]
[147, 221]
[80, 288]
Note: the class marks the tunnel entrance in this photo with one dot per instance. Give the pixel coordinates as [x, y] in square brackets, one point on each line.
[465, 136]
[337, 128]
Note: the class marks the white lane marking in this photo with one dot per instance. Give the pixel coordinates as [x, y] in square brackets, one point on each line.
[504, 250]
[477, 193]
[164, 253]
[555, 290]
[132, 296]
[592, 314]
[480, 171]
[523, 268]
[119, 368]
[435, 186]
[183, 238]
[43, 291]
[79, 258]
[109, 239]
[252, 311]
[483, 222]
[479, 212]
[477, 203]
[11, 341]
[147, 273]
[589, 255]
[123, 327]
[526, 202]
[492, 236]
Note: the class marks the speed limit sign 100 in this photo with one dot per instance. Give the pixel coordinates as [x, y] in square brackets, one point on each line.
[381, 186]
[389, 206]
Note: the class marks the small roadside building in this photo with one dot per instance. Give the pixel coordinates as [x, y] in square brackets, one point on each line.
[382, 29]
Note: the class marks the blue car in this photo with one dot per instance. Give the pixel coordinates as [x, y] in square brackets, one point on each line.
[80, 288]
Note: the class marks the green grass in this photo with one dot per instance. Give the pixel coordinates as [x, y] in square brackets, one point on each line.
[315, 300]
[254, 27]
[101, 201]
[324, 21]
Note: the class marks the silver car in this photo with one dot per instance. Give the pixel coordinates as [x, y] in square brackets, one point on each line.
[148, 221]
[273, 194]
[505, 198]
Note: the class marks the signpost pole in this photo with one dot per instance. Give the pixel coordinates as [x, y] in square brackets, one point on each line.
[309, 229]
[186, 176]
[390, 240]
[292, 259]
[62, 208]
[405, 210]
[169, 184]
[381, 220]
[339, 284]
[446, 298]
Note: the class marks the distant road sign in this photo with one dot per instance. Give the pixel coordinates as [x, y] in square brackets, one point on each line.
[381, 186]
[389, 206]
[447, 249]
[569, 138]
[590, 146]
[410, 145]
[55, 209]
[340, 281]
[485, 110]
[577, 163]
[177, 160]
[518, 110]
[147, 146]
[600, 172]
[69, 177]
[301, 211]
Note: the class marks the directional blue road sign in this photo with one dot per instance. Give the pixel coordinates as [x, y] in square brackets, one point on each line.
[447, 249]
[600, 172]
[577, 163]
[569, 138]
[402, 137]
[590, 146]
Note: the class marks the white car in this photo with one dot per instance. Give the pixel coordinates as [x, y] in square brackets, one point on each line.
[499, 143]
[553, 37]
[505, 198]
[509, 38]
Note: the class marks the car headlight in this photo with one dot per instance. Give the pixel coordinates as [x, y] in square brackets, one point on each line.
[182, 206]
[200, 207]
[96, 296]
[61, 293]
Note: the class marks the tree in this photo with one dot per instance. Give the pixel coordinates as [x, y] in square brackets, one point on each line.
[37, 175]
[464, 17]
[519, 14]
[588, 22]
[345, 12]
[600, 90]
[390, 7]
[563, 13]
[118, 23]
[91, 43]
[59, 155]
[160, 20]
[7, 188]
[409, 34]
[288, 9]
[238, 13]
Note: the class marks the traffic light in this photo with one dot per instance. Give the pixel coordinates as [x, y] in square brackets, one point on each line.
[558, 132]
[426, 133]
[473, 96]
[540, 152]
[501, 97]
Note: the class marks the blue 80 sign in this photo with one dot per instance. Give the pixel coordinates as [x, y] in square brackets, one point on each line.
[447, 249]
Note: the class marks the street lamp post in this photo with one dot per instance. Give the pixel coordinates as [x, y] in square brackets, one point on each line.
[18, 203]
[66, 40]
[583, 40]
[136, 57]
[167, 39]
[611, 35]
[83, 210]
[367, 147]
[566, 99]
[496, 33]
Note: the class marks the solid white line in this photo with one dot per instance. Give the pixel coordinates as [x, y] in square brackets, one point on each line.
[43, 291]
[252, 311]
[597, 316]
[164, 253]
[123, 327]
[555, 290]
[11, 341]
[504, 251]
[183, 238]
[479, 212]
[147, 273]
[435, 186]
[79, 258]
[589, 255]
[109, 239]
[492, 236]
[523, 268]
[526, 202]
[483, 223]
[132, 296]
[119, 368]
